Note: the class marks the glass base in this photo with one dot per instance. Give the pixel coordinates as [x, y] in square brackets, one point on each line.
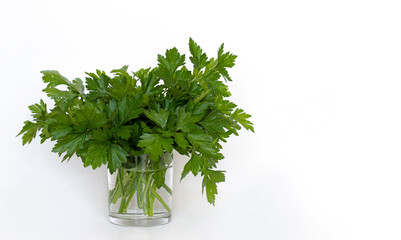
[135, 221]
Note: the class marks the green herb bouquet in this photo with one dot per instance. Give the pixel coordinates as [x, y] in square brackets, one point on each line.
[128, 120]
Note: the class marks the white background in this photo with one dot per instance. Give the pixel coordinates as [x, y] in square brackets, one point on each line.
[321, 79]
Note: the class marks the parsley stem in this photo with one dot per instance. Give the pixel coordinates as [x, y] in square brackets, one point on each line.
[168, 189]
[122, 203]
[146, 193]
[133, 185]
[115, 194]
[152, 199]
[139, 190]
[160, 199]
[129, 191]
[142, 183]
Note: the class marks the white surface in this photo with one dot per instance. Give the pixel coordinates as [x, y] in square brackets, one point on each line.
[321, 79]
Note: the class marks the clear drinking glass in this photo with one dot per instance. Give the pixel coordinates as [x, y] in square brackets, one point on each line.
[140, 194]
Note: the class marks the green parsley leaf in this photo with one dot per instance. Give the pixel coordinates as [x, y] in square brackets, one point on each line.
[97, 85]
[209, 183]
[195, 165]
[97, 154]
[54, 78]
[39, 110]
[180, 139]
[101, 134]
[215, 123]
[129, 108]
[88, 117]
[56, 94]
[201, 108]
[199, 59]
[159, 117]
[218, 88]
[60, 131]
[116, 156]
[225, 60]
[225, 106]
[124, 132]
[29, 131]
[70, 144]
[77, 86]
[240, 116]
[204, 143]
[186, 120]
[149, 82]
[159, 178]
[122, 83]
[155, 144]
[169, 63]
[102, 152]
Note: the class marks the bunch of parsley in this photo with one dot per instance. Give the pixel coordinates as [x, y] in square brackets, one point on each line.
[112, 119]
